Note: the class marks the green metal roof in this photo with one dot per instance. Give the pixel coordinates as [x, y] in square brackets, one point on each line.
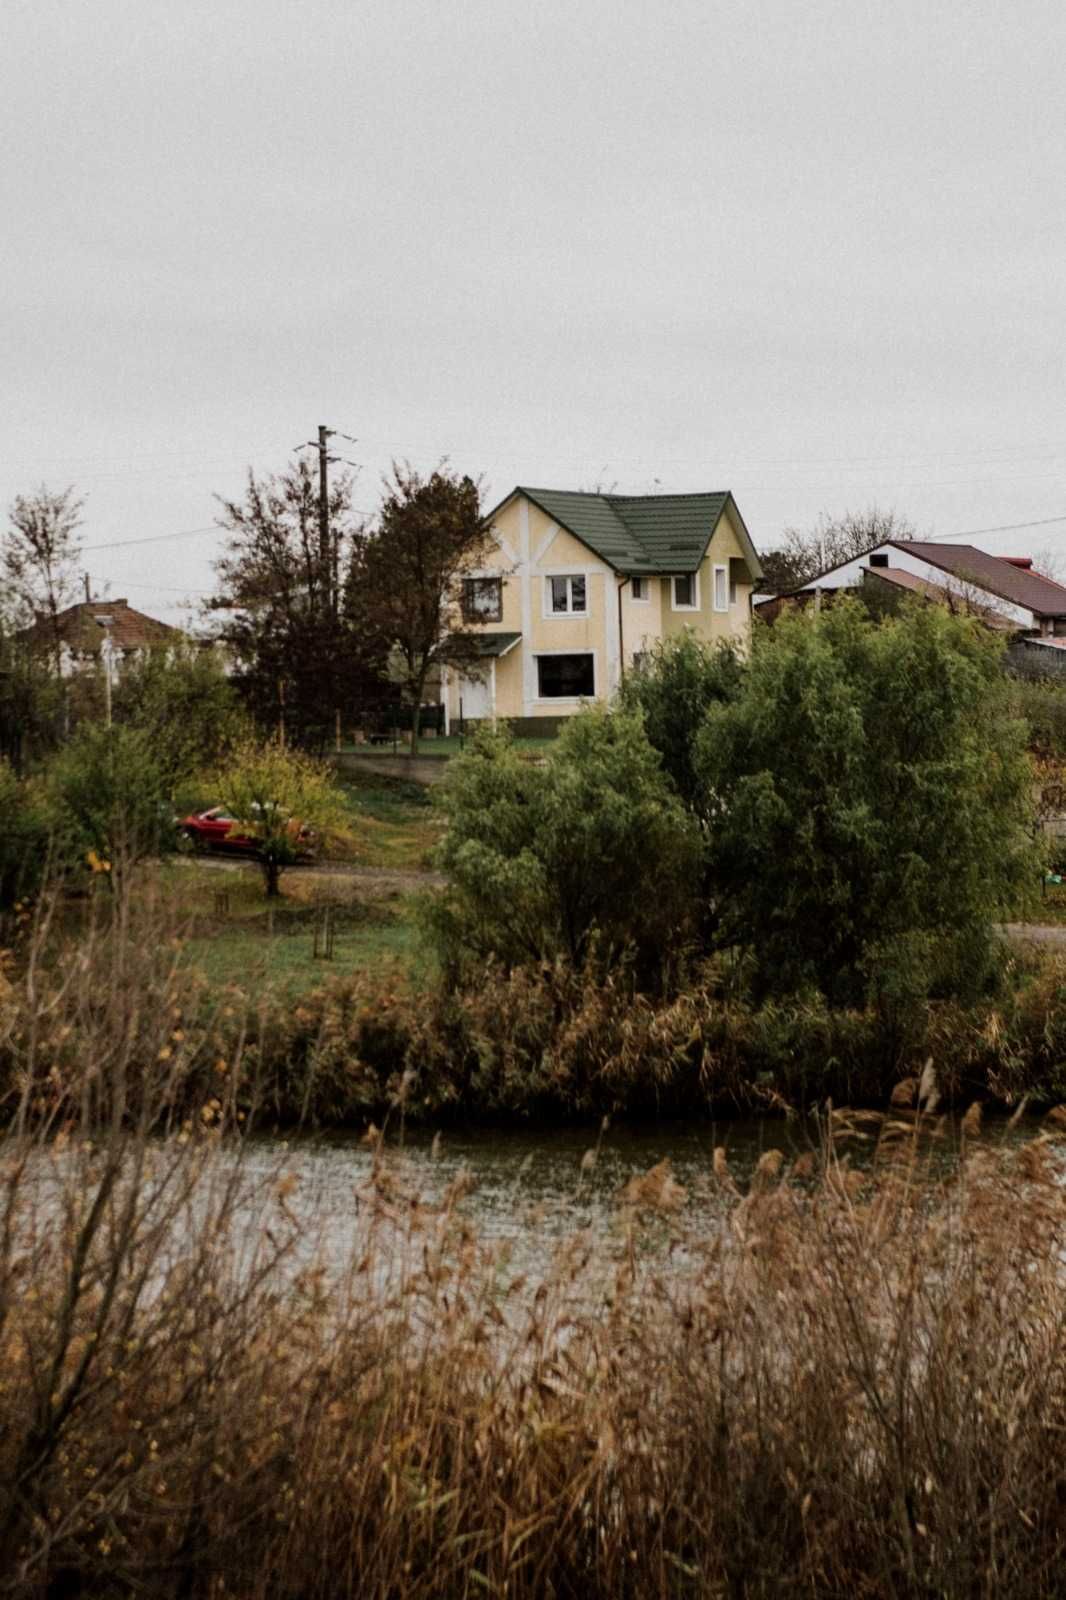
[637, 533]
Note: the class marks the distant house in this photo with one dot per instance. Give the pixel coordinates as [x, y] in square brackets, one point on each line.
[98, 632]
[578, 587]
[1004, 591]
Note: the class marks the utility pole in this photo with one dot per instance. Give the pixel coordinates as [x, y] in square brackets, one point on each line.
[325, 553]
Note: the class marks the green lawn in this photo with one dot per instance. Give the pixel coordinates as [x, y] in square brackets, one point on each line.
[284, 962]
[393, 823]
[235, 935]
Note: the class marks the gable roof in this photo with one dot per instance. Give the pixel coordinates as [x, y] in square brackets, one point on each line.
[638, 533]
[997, 574]
[77, 627]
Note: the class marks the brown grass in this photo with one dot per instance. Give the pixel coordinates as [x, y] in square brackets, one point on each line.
[851, 1383]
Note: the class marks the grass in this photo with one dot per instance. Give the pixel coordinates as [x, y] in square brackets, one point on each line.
[238, 937]
[393, 823]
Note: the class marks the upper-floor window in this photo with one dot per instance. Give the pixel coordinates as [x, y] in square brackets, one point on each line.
[482, 599]
[566, 597]
[638, 588]
[686, 591]
[721, 588]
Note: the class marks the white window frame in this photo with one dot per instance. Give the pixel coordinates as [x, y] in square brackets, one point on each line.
[695, 590]
[724, 570]
[640, 599]
[564, 699]
[565, 616]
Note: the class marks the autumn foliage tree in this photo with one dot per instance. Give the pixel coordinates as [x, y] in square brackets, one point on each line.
[279, 607]
[407, 576]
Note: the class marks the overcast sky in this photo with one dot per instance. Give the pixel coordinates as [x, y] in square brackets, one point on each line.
[812, 253]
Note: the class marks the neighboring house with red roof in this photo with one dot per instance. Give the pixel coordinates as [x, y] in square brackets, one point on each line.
[1004, 591]
[97, 632]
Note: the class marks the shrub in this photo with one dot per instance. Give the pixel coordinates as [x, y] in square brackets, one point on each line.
[23, 839]
[587, 854]
[279, 798]
[108, 799]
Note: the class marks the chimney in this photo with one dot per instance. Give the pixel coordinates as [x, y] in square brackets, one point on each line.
[1025, 562]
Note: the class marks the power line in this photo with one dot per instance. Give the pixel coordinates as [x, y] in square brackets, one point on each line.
[155, 538]
[1005, 527]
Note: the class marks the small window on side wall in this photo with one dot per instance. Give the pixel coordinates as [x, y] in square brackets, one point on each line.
[482, 599]
[721, 588]
[685, 592]
[638, 588]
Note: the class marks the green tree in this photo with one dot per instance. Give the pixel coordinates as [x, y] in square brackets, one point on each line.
[588, 852]
[869, 800]
[108, 800]
[182, 700]
[275, 794]
[404, 596]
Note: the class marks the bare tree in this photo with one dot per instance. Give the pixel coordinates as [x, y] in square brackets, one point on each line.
[40, 556]
[407, 579]
[833, 540]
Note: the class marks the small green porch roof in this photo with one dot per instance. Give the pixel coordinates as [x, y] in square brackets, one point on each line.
[486, 644]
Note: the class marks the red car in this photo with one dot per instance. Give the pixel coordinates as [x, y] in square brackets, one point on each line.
[218, 829]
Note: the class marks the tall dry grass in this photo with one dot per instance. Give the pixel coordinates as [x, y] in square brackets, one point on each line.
[849, 1383]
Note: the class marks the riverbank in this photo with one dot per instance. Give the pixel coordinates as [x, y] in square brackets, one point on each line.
[803, 1394]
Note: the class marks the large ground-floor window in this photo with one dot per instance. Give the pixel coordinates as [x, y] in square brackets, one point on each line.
[566, 677]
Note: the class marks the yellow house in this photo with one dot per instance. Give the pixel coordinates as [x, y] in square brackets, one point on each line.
[576, 588]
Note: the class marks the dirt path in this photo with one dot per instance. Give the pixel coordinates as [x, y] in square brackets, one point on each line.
[382, 877]
[1048, 933]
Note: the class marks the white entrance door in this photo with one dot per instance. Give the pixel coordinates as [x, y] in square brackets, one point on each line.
[475, 695]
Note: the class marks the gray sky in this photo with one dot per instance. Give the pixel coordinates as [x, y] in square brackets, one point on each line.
[813, 253]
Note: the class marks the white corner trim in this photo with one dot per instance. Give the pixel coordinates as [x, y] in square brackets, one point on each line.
[695, 589]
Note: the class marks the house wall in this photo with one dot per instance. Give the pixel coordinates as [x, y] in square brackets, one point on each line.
[530, 548]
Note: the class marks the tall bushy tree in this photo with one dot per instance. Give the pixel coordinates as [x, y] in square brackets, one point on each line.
[680, 680]
[587, 852]
[39, 558]
[279, 607]
[869, 798]
[406, 583]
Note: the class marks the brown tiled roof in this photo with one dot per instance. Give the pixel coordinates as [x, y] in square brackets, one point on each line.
[999, 576]
[933, 591]
[79, 629]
